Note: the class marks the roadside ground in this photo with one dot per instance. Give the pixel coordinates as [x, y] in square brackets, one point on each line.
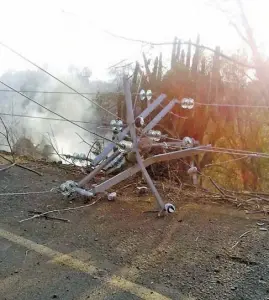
[112, 250]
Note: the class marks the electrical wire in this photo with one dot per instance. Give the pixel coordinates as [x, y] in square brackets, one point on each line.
[53, 119]
[232, 105]
[173, 114]
[94, 123]
[67, 120]
[59, 80]
[137, 94]
[26, 193]
[67, 93]
[109, 112]
[62, 92]
[234, 152]
[253, 153]
[230, 151]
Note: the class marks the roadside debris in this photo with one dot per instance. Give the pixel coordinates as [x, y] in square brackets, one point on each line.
[112, 196]
[38, 215]
[239, 240]
[142, 190]
[34, 212]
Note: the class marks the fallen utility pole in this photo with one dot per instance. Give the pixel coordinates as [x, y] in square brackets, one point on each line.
[128, 140]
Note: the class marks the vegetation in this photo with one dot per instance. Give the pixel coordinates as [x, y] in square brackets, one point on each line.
[214, 80]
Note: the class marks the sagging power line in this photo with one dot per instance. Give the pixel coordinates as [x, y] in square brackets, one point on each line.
[63, 92]
[67, 93]
[53, 119]
[232, 105]
[99, 124]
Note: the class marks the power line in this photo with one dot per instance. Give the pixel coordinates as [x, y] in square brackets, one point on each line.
[247, 152]
[26, 193]
[98, 124]
[231, 105]
[231, 151]
[173, 114]
[52, 119]
[68, 93]
[121, 93]
[59, 80]
[57, 113]
[237, 152]
[62, 92]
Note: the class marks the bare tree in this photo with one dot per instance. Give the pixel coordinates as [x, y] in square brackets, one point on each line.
[12, 161]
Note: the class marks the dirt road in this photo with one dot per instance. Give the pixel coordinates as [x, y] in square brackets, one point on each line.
[112, 250]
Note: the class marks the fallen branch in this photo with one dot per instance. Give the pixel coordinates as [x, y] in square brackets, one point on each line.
[6, 135]
[90, 150]
[28, 169]
[242, 260]
[54, 148]
[262, 198]
[83, 139]
[58, 210]
[33, 212]
[20, 166]
[263, 211]
[92, 145]
[225, 162]
[180, 182]
[8, 167]
[216, 186]
[124, 187]
[239, 240]
[26, 193]
[245, 193]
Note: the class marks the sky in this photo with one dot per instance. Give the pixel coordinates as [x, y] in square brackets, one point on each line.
[60, 33]
[63, 32]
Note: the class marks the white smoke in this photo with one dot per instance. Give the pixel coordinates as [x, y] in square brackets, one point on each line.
[71, 106]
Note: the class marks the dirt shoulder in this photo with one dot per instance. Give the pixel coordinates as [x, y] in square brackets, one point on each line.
[191, 254]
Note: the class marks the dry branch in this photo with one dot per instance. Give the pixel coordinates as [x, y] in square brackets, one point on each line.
[216, 186]
[13, 161]
[20, 166]
[58, 210]
[49, 217]
[90, 150]
[91, 145]
[8, 167]
[54, 148]
[239, 240]
[6, 135]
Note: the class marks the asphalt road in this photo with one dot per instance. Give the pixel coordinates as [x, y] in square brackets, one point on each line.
[113, 251]
[33, 271]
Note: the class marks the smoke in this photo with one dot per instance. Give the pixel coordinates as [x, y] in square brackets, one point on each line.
[71, 106]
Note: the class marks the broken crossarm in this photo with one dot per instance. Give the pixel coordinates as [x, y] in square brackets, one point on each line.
[121, 135]
[160, 115]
